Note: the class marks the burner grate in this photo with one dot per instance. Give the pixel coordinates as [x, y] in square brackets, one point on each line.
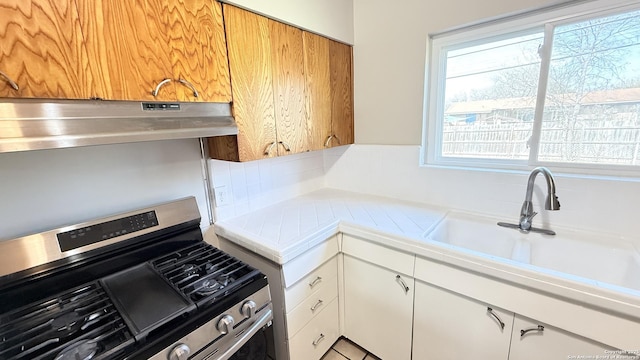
[45, 329]
[204, 273]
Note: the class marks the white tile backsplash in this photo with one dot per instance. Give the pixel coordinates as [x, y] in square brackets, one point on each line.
[599, 205]
[257, 184]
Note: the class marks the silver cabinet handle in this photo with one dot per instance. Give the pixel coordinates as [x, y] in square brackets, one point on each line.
[162, 83]
[318, 304]
[189, 85]
[326, 143]
[332, 136]
[402, 283]
[317, 341]
[490, 310]
[10, 81]
[269, 148]
[286, 146]
[181, 81]
[315, 281]
[524, 332]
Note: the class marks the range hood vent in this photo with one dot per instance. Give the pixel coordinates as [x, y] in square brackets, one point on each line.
[29, 124]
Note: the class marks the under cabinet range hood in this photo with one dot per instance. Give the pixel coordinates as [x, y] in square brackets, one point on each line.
[35, 124]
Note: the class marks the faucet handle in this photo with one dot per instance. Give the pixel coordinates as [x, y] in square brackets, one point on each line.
[525, 221]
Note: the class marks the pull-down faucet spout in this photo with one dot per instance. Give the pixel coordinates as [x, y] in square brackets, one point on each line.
[527, 213]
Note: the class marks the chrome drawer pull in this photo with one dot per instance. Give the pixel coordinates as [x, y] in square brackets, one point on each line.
[314, 307]
[490, 310]
[402, 283]
[315, 282]
[524, 332]
[317, 341]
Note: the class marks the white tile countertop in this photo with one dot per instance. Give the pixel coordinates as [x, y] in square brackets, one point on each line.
[285, 230]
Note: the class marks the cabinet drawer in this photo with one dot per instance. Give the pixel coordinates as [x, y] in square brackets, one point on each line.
[311, 306]
[378, 254]
[311, 283]
[317, 336]
[297, 268]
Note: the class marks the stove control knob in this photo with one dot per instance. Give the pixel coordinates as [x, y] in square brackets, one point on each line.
[225, 324]
[179, 352]
[248, 308]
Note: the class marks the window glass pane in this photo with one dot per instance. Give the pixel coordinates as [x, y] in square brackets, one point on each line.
[592, 107]
[490, 98]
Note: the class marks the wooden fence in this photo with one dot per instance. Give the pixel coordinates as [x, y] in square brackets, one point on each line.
[589, 142]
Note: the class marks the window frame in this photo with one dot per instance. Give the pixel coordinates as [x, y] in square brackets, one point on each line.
[545, 20]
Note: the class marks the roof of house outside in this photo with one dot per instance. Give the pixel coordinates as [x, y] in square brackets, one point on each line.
[616, 96]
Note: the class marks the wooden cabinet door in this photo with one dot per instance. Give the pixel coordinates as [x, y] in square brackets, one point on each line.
[378, 311]
[449, 326]
[42, 49]
[249, 45]
[318, 89]
[198, 49]
[128, 48]
[552, 343]
[287, 64]
[342, 93]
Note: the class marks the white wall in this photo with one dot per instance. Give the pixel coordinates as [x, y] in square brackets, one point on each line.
[42, 190]
[389, 59]
[331, 18]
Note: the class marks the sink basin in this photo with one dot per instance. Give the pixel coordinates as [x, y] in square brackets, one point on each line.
[594, 257]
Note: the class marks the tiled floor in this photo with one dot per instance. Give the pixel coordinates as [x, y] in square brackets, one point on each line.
[344, 349]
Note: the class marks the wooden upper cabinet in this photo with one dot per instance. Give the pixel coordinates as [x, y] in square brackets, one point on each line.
[198, 49]
[289, 88]
[114, 49]
[133, 45]
[342, 93]
[249, 49]
[318, 89]
[41, 49]
[128, 48]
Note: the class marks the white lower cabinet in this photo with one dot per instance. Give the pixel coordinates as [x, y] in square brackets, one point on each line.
[451, 326]
[378, 309]
[532, 340]
[317, 336]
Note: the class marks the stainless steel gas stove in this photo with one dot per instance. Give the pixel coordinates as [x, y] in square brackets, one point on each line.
[139, 285]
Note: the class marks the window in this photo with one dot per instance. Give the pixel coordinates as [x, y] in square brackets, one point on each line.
[559, 87]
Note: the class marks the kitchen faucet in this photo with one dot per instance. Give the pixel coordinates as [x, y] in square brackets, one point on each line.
[527, 213]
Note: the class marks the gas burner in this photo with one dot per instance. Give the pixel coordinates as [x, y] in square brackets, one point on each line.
[67, 324]
[82, 350]
[190, 269]
[210, 286]
[210, 268]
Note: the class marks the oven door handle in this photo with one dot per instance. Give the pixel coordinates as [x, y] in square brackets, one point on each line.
[243, 338]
